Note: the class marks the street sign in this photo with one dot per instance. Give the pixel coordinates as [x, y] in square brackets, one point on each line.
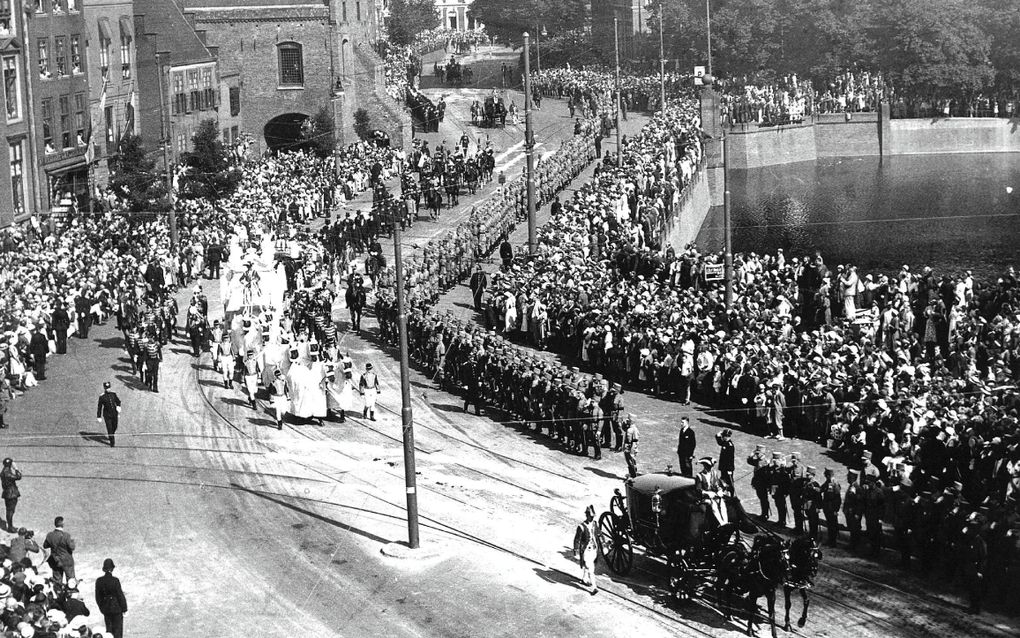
[714, 272]
[699, 72]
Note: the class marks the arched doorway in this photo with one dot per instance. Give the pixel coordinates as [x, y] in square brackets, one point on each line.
[283, 132]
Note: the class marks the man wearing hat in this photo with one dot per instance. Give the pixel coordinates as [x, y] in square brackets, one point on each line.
[61, 322]
[111, 601]
[630, 445]
[369, 388]
[760, 480]
[712, 490]
[153, 356]
[832, 499]
[9, 477]
[108, 410]
[780, 477]
[874, 508]
[586, 549]
[612, 405]
[811, 497]
[38, 347]
[726, 458]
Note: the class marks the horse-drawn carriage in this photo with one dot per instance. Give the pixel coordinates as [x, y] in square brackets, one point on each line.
[665, 515]
[494, 112]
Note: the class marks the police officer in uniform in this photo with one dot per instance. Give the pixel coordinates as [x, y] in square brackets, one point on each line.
[810, 501]
[630, 445]
[780, 478]
[832, 499]
[853, 508]
[108, 410]
[760, 480]
[874, 508]
[798, 483]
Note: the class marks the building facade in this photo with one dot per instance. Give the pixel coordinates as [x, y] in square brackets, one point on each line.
[17, 154]
[55, 37]
[455, 14]
[113, 77]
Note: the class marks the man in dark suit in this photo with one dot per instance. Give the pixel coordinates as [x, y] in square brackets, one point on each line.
[61, 324]
[685, 446]
[355, 298]
[108, 410]
[61, 547]
[111, 601]
[213, 257]
[83, 313]
[479, 284]
[506, 252]
[39, 347]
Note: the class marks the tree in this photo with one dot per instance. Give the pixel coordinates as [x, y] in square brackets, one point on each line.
[934, 44]
[320, 133]
[209, 173]
[135, 178]
[408, 18]
[507, 21]
[362, 124]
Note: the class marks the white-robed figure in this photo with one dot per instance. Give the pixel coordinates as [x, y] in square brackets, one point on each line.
[369, 388]
[340, 391]
[308, 397]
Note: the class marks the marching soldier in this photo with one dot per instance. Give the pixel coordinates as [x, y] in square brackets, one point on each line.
[811, 501]
[853, 508]
[832, 499]
[760, 480]
[153, 355]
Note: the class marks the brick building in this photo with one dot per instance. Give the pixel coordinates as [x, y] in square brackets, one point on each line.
[113, 77]
[295, 57]
[178, 78]
[17, 154]
[55, 37]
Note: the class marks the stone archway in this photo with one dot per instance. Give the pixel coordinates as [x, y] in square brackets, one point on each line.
[283, 132]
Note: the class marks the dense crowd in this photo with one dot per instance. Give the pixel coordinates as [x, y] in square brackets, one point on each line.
[581, 85]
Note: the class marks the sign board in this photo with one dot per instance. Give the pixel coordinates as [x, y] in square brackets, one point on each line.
[699, 72]
[863, 317]
[714, 272]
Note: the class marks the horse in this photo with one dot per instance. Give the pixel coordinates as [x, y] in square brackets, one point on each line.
[805, 556]
[758, 573]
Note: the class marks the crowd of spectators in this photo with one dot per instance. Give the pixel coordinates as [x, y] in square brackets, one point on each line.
[638, 92]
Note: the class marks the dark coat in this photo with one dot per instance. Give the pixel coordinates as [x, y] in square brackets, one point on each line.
[109, 595]
[686, 443]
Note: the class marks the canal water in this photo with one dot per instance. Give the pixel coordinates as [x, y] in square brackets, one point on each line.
[952, 212]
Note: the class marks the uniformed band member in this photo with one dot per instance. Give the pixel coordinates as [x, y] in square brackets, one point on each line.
[108, 410]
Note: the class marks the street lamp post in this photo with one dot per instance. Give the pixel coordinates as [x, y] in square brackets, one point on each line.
[529, 148]
[406, 419]
[662, 63]
[619, 135]
[708, 31]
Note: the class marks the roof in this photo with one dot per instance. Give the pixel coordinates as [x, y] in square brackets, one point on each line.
[174, 32]
[668, 483]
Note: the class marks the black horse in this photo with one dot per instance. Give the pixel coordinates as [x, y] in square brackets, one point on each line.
[805, 556]
[756, 574]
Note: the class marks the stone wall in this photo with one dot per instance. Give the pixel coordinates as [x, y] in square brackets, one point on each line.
[683, 226]
[954, 135]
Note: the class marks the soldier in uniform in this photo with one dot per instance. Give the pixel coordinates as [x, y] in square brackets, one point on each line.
[874, 508]
[760, 480]
[630, 445]
[853, 508]
[900, 505]
[798, 482]
[832, 500]
[810, 501]
[868, 468]
[611, 405]
[780, 478]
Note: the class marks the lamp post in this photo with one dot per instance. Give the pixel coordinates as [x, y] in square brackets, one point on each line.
[406, 420]
[708, 31]
[662, 63]
[538, 47]
[707, 81]
[619, 135]
[529, 148]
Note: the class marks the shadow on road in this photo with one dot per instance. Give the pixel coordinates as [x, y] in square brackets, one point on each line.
[95, 437]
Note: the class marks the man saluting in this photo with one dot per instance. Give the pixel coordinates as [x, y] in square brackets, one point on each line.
[108, 409]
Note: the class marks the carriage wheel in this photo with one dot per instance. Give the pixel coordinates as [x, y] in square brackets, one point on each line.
[614, 544]
[682, 580]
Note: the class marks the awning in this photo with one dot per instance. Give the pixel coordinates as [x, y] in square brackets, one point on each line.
[104, 30]
[125, 27]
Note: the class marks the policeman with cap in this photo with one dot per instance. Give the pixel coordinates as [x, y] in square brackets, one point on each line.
[108, 410]
[853, 507]
[760, 479]
[798, 483]
[811, 500]
[874, 508]
[832, 499]
[779, 481]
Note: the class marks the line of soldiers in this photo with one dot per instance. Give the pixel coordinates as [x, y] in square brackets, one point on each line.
[146, 332]
[979, 546]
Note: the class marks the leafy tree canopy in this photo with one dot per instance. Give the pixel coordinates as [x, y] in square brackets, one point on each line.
[408, 18]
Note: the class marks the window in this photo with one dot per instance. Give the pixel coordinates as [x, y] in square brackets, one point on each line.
[233, 134]
[40, 6]
[44, 57]
[180, 103]
[12, 88]
[104, 58]
[72, 5]
[344, 7]
[17, 159]
[226, 136]
[58, 6]
[79, 118]
[60, 47]
[65, 121]
[357, 11]
[129, 118]
[6, 18]
[182, 142]
[76, 65]
[292, 72]
[235, 101]
[47, 125]
[125, 56]
[208, 96]
[193, 94]
[111, 127]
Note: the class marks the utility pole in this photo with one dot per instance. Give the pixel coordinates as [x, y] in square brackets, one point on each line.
[165, 135]
[727, 228]
[538, 49]
[662, 63]
[708, 30]
[619, 135]
[406, 421]
[529, 148]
